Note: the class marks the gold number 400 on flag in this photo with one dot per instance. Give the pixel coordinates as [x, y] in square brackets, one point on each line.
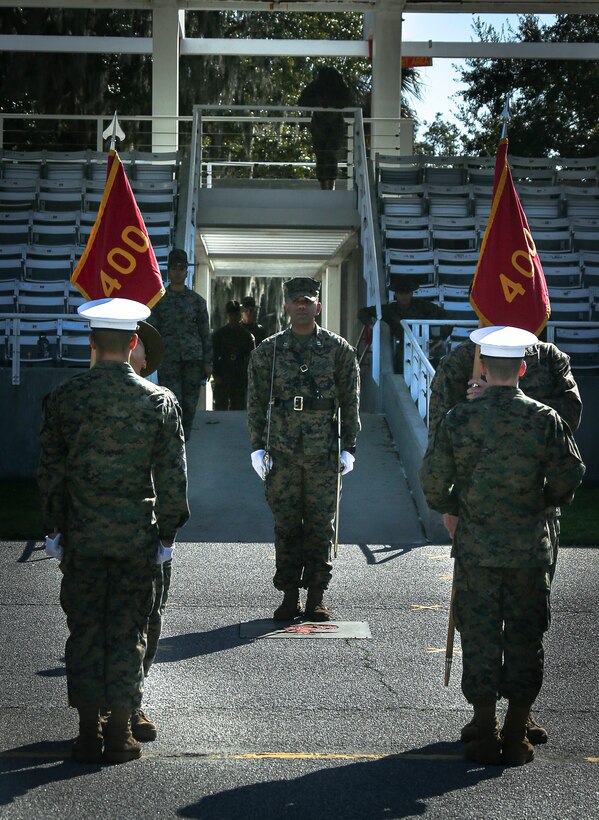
[510, 288]
[121, 261]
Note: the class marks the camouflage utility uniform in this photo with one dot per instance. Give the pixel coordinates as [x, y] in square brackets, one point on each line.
[502, 545]
[113, 481]
[181, 318]
[393, 313]
[311, 378]
[548, 379]
[232, 345]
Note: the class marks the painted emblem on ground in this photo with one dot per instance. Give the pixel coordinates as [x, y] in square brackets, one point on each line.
[267, 628]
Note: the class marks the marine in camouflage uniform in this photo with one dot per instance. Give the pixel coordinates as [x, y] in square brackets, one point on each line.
[502, 545]
[248, 319]
[231, 347]
[181, 318]
[112, 477]
[548, 379]
[314, 373]
[405, 306]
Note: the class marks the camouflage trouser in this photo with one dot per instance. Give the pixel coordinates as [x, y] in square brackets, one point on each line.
[107, 603]
[185, 380]
[501, 615]
[302, 492]
[230, 395]
[162, 582]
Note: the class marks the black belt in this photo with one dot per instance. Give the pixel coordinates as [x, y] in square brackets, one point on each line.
[305, 403]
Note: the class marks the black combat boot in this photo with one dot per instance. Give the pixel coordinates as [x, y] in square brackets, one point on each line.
[315, 608]
[119, 744]
[290, 607]
[535, 733]
[87, 748]
[486, 746]
[515, 748]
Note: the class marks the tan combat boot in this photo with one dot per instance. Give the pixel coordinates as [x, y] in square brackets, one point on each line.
[290, 607]
[87, 748]
[119, 744]
[486, 746]
[315, 608]
[516, 749]
[142, 728]
[534, 732]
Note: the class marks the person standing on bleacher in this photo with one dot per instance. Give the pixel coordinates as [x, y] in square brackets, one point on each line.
[181, 318]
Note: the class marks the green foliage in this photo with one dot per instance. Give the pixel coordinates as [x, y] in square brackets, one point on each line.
[440, 139]
[555, 103]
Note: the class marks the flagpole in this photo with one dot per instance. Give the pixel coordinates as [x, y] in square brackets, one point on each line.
[505, 118]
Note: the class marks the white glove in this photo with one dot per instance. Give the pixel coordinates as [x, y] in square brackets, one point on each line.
[53, 547]
[163, 553]
[348, 462]
[258, 464]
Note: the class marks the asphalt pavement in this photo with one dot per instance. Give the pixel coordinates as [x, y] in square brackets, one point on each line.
[301, 727]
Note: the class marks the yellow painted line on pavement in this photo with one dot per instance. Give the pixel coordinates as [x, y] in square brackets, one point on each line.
[592, 759]
[437, 556]
[417, 607]
[445, 577]
[434, 649]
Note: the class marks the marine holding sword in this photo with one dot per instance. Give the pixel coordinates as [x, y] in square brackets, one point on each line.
[303, 419]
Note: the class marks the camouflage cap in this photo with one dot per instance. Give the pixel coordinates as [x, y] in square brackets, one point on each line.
[154, 347]
[233, 307]
[248, 302]
[301, 287]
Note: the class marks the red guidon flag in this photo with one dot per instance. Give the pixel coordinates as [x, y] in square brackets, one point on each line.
[509, 285]
[119, 259]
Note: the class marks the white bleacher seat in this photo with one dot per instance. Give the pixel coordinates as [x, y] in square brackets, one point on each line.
[15, 227]
[535, 171]
[24, 166]
[161, 254]
[8, 295]
[402, 200]
[455, 267]
[459, 335]
[454, 293]
[67, 168]
[42, 297]
[482, 199]
[5, 325]
[160, 235]
[444, 171]
[48, 268]
[74, 299]
[404, 170]
[571, 311]
[155, 196]
[590, 268]
[431, 292]
[17, 199]
[579, 171]
[552, 238]
[459, 310]
[53, 197]
[585, 234]
[74, 348]
[454, 233]
[25, 336]
[419, 239]
[418, 265]
[54, 227]
[541, 202]
[581, 202]
[155, 167]
[450, 200]
[581, 345]
[399, 223]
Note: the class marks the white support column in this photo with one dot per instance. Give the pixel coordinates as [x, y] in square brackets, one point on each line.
[386, 81]
[203, 286]
[331, 299]
[166, 26]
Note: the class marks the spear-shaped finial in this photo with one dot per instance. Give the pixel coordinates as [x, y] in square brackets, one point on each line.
[505, 118]
[114, 131]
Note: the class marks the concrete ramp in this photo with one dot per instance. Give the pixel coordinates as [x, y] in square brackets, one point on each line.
[227, 497]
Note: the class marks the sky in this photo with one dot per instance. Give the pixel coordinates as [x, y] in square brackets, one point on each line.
[441, 79]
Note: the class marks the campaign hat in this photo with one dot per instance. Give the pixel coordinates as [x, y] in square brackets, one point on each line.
[153, 345]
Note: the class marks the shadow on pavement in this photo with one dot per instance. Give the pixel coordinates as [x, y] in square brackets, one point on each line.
[393, 787]
[35, 765]
[196, 644]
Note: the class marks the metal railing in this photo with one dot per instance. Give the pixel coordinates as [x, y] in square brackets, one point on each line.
[418, 371]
